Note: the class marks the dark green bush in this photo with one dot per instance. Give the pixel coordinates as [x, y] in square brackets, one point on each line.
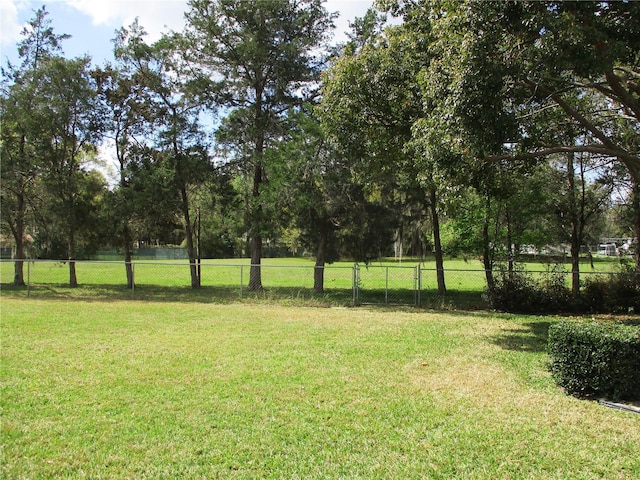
[596, 359]
[519, 291]
[612, 293]
[522, 292]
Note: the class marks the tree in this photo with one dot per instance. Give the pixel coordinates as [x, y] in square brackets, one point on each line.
[540, 55]
[576, 203]
[19, 170]
[172, 108]
[127, 101]
[371, 102]
[265, 57]
[70, 125]
[312, 183]
[20, 163]
[501, 68]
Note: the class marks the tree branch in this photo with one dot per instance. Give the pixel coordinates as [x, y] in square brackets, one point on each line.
[626, 98]
[608, 147]
[596, 149]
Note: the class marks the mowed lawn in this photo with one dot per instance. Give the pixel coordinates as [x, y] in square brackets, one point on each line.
[277, 272]
[94, 389]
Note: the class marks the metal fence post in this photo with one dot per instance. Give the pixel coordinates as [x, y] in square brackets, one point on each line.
[386, 287]
[241, 278]
[133, 281]
[28, 279]
[418, 284]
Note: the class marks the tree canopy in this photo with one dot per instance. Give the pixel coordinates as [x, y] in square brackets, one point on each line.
[465, 127]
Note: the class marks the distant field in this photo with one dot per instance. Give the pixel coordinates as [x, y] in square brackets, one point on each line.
[166, 390]
[284, 279]
[277, 271]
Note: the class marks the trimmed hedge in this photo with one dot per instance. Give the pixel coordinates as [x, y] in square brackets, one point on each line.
[596, 359]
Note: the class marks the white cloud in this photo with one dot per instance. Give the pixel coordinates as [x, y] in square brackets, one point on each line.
[349, 10]
[10, 26]
[156, 16]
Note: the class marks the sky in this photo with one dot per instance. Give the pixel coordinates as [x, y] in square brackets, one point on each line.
[92, 23]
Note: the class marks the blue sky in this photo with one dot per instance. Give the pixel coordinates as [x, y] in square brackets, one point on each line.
[92, 23]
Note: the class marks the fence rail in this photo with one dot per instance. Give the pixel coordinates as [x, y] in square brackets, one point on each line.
[354, 284]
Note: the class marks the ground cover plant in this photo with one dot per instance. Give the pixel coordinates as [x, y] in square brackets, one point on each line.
[194, 390]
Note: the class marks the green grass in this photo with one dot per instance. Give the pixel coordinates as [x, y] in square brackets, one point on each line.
[166, 390]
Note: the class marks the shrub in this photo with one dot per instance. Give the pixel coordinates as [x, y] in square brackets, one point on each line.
[596, 359]
[518, 291]
[521, 292]
[613, 293]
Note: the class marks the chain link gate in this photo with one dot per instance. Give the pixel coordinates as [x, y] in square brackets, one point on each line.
[386, 285]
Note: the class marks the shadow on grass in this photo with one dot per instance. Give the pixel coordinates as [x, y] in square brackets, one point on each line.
[528, 337]
[161, 293]
[454, 300]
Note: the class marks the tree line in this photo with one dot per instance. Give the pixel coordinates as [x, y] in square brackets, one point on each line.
[475, 128]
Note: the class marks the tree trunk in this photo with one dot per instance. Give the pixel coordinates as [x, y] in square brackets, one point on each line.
[575, 265]
[18, 268]
[18, 235]
[487, 257]
[128, 265]
[321, 255]
[191, 252]
[126, 233]
[635, 199]
[510, 246]
[73, 277]
[18, 229]
[575, 226]
[442, 289]
[255, 273]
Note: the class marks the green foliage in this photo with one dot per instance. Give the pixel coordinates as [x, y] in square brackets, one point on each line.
[519, 291]
[614, 293]
[419, 126]
[527, 292]
[596, 359]
[268, 56]
[51, 124]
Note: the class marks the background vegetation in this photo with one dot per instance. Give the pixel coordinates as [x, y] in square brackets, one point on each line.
[487, 129]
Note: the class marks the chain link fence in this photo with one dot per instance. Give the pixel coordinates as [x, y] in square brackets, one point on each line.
[355, 284]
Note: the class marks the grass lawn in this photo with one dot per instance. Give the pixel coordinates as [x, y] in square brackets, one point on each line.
[167, 390]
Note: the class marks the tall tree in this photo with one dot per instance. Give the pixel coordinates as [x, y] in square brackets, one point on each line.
[542, 54]
[371, 101]
[266, 56]
[172, 109]
[311, 180]
[127, 102]
[20, 163]
[71, 124]
[577, 202]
